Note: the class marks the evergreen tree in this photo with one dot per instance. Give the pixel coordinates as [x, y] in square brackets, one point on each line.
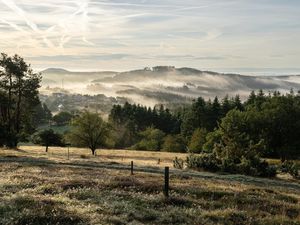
[19, 91]
[238, 103]
[197, 141]
[226, 105]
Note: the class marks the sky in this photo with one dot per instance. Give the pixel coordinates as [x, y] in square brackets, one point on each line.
[86, 35]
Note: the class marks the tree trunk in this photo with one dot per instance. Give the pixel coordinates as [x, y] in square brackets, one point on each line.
[12, 141]
[93, 151]
[9, 103]
[18, 110]
[47, 148]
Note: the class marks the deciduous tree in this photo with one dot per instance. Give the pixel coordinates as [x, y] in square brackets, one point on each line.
[89, 130]
[48, 138]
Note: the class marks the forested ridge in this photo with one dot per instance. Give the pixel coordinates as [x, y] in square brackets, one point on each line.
[229, 135]
[270, 118]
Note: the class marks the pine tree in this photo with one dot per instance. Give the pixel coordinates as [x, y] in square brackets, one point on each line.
[19, 86]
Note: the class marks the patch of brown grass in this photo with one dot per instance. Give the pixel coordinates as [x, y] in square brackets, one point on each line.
[43, 194]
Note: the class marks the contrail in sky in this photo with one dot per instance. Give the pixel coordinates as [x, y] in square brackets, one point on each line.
[12, 5]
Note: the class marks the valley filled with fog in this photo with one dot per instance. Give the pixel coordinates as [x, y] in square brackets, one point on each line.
[151, 86]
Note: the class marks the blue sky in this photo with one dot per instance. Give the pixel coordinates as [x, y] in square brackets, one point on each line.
[128, 34]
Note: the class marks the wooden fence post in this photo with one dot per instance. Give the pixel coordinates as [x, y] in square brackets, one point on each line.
[166, 189]
[131, 167]
[68, 145]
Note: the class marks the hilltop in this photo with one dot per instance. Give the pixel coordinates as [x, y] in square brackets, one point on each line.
[166, 84]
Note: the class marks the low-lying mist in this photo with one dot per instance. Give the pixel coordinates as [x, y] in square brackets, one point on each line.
[163, 84]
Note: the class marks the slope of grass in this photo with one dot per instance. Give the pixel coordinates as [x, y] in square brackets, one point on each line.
[146, 158]
[54, 192]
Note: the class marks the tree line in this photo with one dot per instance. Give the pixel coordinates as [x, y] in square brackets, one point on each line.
[270, 118]
[229, 135]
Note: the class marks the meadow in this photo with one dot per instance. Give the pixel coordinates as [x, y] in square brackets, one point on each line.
[48, 188]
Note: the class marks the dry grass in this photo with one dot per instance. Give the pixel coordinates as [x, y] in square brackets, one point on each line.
[59, 194]
[142, 158]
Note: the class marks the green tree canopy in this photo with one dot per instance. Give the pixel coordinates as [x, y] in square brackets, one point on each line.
[236, 142]
[19, 96]
[89, 130]
[151, 140]
[48, 138]
[62, 118]
[197, 141]
[174, 143]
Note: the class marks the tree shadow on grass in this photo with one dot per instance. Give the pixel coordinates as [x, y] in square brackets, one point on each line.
[23, 210]
[27, 160]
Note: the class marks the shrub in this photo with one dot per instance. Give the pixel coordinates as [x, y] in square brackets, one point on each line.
[206, 161]
[256, 167]
[234, 150]
[291, 168]
[228, 166]
[265, 170]
[178, 163]
[252, 167]
[270, 171]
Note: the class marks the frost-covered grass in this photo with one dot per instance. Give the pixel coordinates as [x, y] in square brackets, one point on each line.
[143, 158]
[53, 193]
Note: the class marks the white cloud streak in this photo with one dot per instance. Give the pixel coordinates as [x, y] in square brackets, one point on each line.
[250, 30]
[12, 5]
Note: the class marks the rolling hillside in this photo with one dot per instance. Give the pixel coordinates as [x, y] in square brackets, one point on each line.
[46, 188]
[164, 84]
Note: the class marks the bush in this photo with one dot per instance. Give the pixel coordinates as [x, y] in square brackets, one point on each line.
[265, 170]
[178, 163]
[229, 166]
[256, 167]
[206, 161]
[291, 168]
[253, 167]
[270, 171]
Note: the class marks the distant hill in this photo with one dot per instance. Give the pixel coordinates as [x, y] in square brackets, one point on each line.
[166, 84]
[55, 70]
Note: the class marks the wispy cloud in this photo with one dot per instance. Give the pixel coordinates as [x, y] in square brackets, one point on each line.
[136, 33]
[12, 5]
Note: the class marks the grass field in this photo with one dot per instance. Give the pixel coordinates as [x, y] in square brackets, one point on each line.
[143, 158]
[47, 188]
